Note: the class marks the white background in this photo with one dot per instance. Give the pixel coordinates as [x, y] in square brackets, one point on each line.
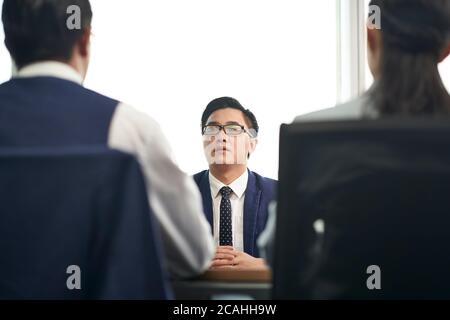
[169, 58]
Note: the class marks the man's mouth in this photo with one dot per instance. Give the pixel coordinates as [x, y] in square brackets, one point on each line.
[222, 149]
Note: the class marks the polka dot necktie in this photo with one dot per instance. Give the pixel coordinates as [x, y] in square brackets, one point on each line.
[225, 234]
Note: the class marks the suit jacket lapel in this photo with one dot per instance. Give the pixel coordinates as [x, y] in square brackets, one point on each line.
[251, 211]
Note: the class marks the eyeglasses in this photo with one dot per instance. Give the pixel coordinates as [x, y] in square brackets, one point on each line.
[229, 129]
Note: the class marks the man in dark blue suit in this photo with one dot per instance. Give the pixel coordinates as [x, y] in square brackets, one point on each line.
[235, 199]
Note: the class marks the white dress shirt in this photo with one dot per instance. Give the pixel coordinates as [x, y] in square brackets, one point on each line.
[173, 195]
[237, 198]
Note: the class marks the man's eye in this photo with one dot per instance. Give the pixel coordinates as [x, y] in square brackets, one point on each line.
[210, 129]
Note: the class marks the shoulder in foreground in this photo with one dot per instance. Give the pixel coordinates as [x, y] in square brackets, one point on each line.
[132, 114]
[348, 111]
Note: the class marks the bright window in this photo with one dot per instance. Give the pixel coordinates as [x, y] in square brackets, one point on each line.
[170, 58]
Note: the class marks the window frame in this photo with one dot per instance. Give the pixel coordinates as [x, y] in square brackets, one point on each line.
[351, 47]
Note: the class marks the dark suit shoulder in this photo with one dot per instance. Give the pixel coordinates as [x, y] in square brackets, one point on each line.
[40, 86]
[267, 185]
[198, 177]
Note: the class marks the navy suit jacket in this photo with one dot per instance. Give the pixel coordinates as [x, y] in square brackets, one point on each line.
[259, 193]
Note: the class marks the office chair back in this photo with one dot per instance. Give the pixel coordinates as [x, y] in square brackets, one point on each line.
[380, 190]
[76, 223]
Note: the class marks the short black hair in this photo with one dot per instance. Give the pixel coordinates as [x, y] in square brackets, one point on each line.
[228, 102]
[36, 30]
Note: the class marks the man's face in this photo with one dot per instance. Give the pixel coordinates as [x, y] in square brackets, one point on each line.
[231, 148]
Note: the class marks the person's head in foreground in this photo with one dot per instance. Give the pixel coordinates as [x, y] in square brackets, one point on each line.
[43, 30]
[403, 54]
[235, 199]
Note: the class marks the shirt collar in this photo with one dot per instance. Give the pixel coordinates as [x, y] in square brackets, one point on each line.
[238, 186]
[50, 69]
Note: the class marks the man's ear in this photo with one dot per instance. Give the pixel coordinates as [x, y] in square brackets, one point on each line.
[252, 145]
[445, 53]
[83, 42]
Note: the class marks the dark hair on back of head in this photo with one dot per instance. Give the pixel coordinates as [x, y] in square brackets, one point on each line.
[228, 102]
[414, 34]
[36, 30]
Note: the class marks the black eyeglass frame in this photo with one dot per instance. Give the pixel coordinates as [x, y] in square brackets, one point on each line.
[223, 127]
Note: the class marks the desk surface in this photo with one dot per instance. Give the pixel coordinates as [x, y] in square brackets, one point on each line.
[262, 275]
[223, 283]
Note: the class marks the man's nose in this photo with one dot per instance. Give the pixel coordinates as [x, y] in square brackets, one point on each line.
[222, 136]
